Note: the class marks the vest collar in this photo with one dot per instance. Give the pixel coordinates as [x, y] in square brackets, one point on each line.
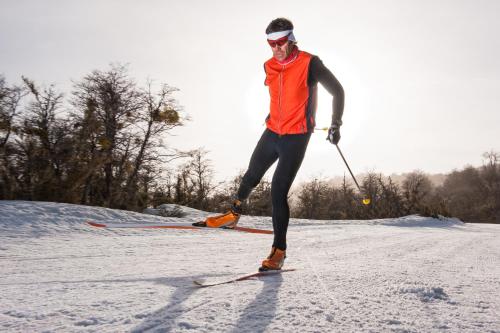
[291, 57]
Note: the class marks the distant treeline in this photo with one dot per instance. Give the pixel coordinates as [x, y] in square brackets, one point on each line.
[471, 194]
[104, 145]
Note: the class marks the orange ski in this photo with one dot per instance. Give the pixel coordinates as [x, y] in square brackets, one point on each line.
[174, 226]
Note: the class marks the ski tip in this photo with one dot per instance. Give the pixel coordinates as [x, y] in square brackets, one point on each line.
[272, 271]
[200, 284]
[98, 225]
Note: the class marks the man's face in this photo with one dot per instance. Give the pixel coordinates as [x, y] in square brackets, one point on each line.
[280, 47]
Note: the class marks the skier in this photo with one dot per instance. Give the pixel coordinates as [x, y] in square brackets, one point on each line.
[292, 76]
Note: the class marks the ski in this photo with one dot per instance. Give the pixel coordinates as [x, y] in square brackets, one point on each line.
[173, 226]
[202, 284]
[244, 229]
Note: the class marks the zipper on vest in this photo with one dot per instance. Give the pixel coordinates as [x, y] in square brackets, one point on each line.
[279, 99]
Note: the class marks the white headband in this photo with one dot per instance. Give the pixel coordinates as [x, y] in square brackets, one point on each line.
[281, 34]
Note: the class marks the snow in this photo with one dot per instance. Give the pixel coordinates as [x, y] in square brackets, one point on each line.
[411, 274]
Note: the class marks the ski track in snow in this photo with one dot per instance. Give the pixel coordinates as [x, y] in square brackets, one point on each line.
[411, 274]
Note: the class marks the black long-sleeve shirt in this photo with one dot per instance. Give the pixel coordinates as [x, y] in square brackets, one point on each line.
[318, 72]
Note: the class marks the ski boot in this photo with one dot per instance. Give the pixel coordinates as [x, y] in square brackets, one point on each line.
[274, 261]
[227, 220]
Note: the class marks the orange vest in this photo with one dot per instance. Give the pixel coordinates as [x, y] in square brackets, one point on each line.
[292, 100]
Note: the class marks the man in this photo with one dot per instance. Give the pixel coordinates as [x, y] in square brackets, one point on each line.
[292, 76]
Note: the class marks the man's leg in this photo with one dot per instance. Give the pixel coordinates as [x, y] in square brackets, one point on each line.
[264, 155]
[292, 149]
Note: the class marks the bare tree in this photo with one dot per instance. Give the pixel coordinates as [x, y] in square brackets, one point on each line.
[312, 200]
[112, 101]
[346, 203]
[259, 202]
[463, 191]
[416, 187]
[491, 175]
[10, 97]
[43, 142]
[110, 150]
[160, 115]
[391, 198]
[371, 188]
[195, 180]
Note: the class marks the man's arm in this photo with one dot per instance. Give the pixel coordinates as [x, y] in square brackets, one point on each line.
[323, 75]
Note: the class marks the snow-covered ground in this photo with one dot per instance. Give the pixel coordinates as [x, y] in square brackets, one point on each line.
[411, 274]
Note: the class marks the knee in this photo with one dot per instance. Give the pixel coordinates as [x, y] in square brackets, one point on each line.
[279, 190]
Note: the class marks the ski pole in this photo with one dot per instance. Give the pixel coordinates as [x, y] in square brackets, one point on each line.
[366, 200]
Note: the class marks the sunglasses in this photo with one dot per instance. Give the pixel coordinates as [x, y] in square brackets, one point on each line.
[278, 42]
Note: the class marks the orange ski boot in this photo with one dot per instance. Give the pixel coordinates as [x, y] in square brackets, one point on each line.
[227, 220]
[274, 261]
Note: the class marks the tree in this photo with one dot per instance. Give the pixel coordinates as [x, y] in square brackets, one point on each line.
[195, 180]
[490, 173]
[463, 191]
[161, 114]
[313, 200]
[391, 198]
[41, 147]
[259, 202]
[109, 150]
[107, 104]
[370, 187]
[121, 129]
[224, 194]
[346, 203]
[416, 189]
[10, 97]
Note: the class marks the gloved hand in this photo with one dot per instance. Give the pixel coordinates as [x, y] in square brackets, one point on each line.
[333, 135]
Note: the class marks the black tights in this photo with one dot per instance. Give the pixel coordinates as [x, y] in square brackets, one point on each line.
[289, 150]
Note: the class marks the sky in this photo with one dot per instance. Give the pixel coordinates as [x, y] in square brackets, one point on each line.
[421, 78]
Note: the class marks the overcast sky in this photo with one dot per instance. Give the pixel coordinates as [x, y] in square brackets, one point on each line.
[422, 78]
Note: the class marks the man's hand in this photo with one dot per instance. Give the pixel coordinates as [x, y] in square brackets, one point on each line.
[333, 135]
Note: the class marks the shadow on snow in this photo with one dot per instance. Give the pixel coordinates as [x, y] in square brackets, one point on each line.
[255, 317]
